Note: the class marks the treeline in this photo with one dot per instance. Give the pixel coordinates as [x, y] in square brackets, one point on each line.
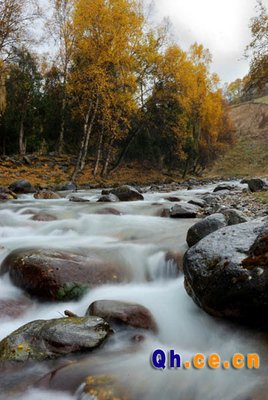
[117, 89]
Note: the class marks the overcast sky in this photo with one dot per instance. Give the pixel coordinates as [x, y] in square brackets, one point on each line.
[221, 25]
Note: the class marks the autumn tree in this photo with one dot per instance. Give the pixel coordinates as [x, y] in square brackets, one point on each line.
[258, 48]
[23, 96]
[108, 35]
[60, 26]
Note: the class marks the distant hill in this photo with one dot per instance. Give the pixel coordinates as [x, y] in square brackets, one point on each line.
[249, 155]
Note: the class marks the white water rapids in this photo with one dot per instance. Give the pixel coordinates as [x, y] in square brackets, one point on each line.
[137, 240]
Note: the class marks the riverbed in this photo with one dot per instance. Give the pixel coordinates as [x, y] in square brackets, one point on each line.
[138, 240]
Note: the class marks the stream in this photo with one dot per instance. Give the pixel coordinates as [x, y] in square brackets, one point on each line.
[137, 240]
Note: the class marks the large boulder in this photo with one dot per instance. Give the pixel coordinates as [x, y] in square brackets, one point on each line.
[40, 340]
[184, 211]
[22, 186]
[57, 275]
[127, 193]
[121, 312]
[46, 195]
[226, 272]
[204, 227]
[257, 184]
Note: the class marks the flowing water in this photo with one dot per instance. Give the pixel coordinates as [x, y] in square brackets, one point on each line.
[137, 240]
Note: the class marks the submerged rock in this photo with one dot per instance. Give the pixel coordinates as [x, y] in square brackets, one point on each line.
[21, 186]
[76, 199]
[121, 312]
[40, 340]
[44, 217]
[103, 387]
[46, 195]
[108, 210]
[108, 198]
[57, 275]
[14, 307]
[226, 272]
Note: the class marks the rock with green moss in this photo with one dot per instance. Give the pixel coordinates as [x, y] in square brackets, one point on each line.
[40, 340]
[57, 275]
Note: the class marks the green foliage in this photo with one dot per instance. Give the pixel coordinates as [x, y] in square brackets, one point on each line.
[71, 291]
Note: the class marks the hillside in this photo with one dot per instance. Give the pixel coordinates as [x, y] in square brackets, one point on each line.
[249, 155]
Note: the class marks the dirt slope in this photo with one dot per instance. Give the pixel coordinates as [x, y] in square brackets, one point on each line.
[249, 155]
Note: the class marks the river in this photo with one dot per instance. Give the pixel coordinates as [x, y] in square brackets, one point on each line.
[137, 240]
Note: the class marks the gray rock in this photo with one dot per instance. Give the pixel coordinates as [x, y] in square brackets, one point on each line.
[223, 186]
[40, 340]
[108, 198]
[21, 187]
[234, 217]
[127, 193]
[227, 276]
[198, 202]
[211, 199]
[257, 184]
[76, 199]
[184, 211]
[121, 312]
[204, 227]
[69, 186]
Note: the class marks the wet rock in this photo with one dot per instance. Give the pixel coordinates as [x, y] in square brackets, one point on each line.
[127, 193]
[14, 307]
[234, 217]
[121, 312]
[164, 213]
[108, 210]
[40, 340]
[198, 202]
[44, 217]
[69, 186]
[226, 272]
[46, 195]
[244, 181]
[223, 186]
[257, 184]
[108, 198]
[76, 199]
[204, 227]
[57, 275]
[6, 194]
[27, 160]
[21, 187]
[184, 211]
[103, 387]
[173, 199]
[212, 199]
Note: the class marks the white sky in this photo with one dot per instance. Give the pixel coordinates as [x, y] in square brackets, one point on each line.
[220, 25]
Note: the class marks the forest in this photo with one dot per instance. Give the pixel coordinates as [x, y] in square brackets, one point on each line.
[108, 85]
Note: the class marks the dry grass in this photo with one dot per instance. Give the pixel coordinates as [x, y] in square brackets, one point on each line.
[249, 155]
[48, 172]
